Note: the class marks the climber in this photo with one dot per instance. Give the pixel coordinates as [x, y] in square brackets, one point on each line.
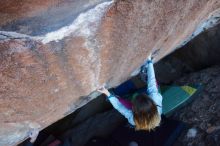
[146, 107]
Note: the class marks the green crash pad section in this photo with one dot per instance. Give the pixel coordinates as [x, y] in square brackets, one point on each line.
[175, 97]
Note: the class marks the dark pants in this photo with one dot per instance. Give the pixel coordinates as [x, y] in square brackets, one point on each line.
[125, 88]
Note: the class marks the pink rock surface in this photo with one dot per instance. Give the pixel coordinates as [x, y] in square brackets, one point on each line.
[55, 53]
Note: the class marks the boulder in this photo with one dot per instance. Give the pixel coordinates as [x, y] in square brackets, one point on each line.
[54, 54]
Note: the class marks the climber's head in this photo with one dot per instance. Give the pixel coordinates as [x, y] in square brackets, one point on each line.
[146, 116]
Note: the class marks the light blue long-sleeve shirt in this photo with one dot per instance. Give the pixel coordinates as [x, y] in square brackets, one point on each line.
[152, 91]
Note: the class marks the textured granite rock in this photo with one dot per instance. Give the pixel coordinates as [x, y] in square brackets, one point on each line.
[54, 53]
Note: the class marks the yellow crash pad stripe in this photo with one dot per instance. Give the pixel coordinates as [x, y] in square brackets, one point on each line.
[189, 90]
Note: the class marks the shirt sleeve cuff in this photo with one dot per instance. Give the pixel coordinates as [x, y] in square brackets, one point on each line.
[110, 96]
[149, 61]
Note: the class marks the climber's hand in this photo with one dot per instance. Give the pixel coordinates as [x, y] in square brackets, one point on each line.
[145, 65]
[104, 91]
[33, 135]
[150, 57]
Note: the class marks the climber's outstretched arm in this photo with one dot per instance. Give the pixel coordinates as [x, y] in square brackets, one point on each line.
[118, 105]
[151, 79]
[152, 89]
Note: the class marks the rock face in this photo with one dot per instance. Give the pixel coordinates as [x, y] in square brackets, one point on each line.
[54, 53]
